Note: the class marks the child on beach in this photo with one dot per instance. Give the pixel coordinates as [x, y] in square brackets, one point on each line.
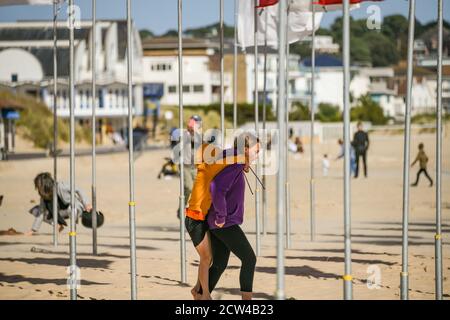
[422, 158]
[44, 183]
[325, 165]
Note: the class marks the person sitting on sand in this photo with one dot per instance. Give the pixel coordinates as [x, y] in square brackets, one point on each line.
[422, 158]
[225, 216]
[44, 184]
[212, 160]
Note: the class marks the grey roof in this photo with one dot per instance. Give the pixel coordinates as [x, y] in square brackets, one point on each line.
[24, 34]
[45, 55]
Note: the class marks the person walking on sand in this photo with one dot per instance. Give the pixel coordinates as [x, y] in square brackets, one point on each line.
[192, 141]
[44, 183]
[361, 145]
[352, 155]
[213, 160]
[227, 213]
[422, 158]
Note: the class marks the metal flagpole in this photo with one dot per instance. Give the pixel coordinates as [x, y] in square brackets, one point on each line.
[257, 201]
[55, 123]
[312, 190]
[94, 163]
[286, 166]
[438, 236]
[264, 115]
[404, 277]
[348, 290]
[73, 211]
[280, 146]
[235, 64]
[222, 102]
[131, 203]
[180, 102]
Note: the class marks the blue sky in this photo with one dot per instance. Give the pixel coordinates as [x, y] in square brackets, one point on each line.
[161, 15]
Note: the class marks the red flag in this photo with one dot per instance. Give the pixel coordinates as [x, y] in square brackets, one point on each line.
[330, 2]
[265, 3]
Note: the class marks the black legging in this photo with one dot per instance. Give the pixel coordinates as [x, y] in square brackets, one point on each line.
[224, 241]
[363, 155]
[426, 175]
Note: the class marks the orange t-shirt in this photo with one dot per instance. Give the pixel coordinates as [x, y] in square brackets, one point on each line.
[200, 199]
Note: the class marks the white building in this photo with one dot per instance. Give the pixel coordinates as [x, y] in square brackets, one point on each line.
[201, 71]
[26, 65]
[271, 74]
[328, 82]
[324, 44]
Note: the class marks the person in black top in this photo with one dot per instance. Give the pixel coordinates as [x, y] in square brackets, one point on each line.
[361, 145]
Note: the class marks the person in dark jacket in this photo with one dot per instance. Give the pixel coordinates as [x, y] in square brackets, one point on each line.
[361, 145]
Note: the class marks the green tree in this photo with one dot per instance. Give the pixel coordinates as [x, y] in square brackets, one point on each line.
[145, 33]
[368, 110]
[382, 49]
[300, 112]
[328, 113]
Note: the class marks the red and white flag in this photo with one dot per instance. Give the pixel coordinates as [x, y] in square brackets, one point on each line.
[265, 3]
[334, 2]
[300, 24]
[300, 19]
[26, 2]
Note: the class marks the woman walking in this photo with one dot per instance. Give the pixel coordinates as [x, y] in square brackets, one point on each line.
[227, 213]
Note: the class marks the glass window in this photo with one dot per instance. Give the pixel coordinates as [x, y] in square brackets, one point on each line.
[172, 89]
[198, 88]
[186, 88]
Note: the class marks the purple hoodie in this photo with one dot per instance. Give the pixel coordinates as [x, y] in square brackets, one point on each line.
[227, 192]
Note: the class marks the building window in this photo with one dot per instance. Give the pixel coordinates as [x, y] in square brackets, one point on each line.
[81, 99]
[100, 98]
[117, 98]
[124, 98]
[198, 88]
[186, 89]
[110, 98]
[161, 67]
[172, 89]
[14, 77]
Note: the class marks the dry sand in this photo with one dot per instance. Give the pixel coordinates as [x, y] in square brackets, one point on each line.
[31, 268]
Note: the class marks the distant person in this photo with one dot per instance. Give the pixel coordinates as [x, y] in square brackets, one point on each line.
[168, 169]
[422, 158]
[44, 183]
[192, 140]
[352, 155]
[361, 145]
[325, 165]
[299, 144]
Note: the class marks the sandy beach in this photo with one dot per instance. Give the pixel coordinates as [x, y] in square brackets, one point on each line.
[31, 268]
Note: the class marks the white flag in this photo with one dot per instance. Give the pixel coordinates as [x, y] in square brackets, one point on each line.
[300, 21]
[21, 2]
